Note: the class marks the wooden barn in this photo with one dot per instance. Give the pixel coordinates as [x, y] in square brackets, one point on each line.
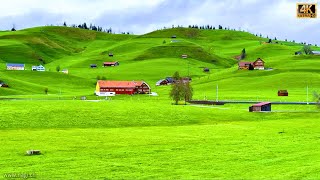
[260, 107]
[103, 88]
[283, 93]
[244, 65]
[105, 64]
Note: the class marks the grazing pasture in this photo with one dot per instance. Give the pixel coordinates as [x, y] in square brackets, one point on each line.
[142, 136]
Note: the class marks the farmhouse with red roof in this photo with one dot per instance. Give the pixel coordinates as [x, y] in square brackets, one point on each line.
[104, 88]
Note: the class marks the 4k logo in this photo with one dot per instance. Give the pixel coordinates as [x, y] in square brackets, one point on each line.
[305, 10]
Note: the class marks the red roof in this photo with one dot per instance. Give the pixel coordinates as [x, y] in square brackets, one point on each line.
[119, 84]
[241, 64]
[261, 104]
[109, 63]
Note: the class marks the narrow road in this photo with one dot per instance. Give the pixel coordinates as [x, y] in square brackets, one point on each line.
[222, 102]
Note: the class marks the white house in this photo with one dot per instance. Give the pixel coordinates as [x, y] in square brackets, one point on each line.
[38, 68]
[316, 52]
[12, 66]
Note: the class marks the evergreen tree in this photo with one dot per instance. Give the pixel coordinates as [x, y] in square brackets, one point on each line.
[64, 24]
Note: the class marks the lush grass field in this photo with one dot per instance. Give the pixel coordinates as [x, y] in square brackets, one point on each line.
[153, 139]
[141, 136]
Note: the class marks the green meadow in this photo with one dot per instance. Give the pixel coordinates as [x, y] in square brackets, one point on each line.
[146, 137]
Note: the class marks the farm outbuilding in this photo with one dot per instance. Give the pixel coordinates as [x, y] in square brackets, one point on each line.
[184, 56]
[162, 82]
[282, 93]
[116, 63]
[103, 88]
[13, 66]
[93, 65]
[316, 53]
[206, 70]
[110, 54]
[263, 106]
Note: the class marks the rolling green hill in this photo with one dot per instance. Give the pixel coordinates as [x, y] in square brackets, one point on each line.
[141, 136]
[149, 57]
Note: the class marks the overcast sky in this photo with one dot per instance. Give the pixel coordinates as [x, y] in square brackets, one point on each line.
[275, 18]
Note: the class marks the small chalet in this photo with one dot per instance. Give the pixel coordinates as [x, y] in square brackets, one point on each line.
[38, 68]
[162, 82]
[110, 64]
[258, 64]
[184, 56]
[260, 107]
[12, 66]
[173, 36]
[297, 53]
[206, 70]
[282, 93]
[104, 88]
[110, 54]
[93, 65]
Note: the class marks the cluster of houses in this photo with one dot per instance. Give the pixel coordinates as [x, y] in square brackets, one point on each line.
[257, 64]
[21, 67]
[106, 64]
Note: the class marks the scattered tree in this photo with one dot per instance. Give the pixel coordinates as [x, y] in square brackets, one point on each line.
[188, 92]
[164, 41]
[270, 41]
[65, 24]
[98, 77]
[307, 49]
[251, 67]
[243, 53]
[46, 90]
[180, 90]
[58, 68]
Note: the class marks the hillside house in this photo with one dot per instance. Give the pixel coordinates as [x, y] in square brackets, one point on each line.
[260, 107]
[316, 53]
[110, 64]
[206, 70]
[65, 71]
[93, 65]
[162, 82]
[110, 54]
[258, 64]
[13, 66]
[173, 36]
[184, 56]
[38, 68]
[297, 53]
[104, 88]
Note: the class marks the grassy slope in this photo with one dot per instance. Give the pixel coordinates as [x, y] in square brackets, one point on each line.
[144, 136]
